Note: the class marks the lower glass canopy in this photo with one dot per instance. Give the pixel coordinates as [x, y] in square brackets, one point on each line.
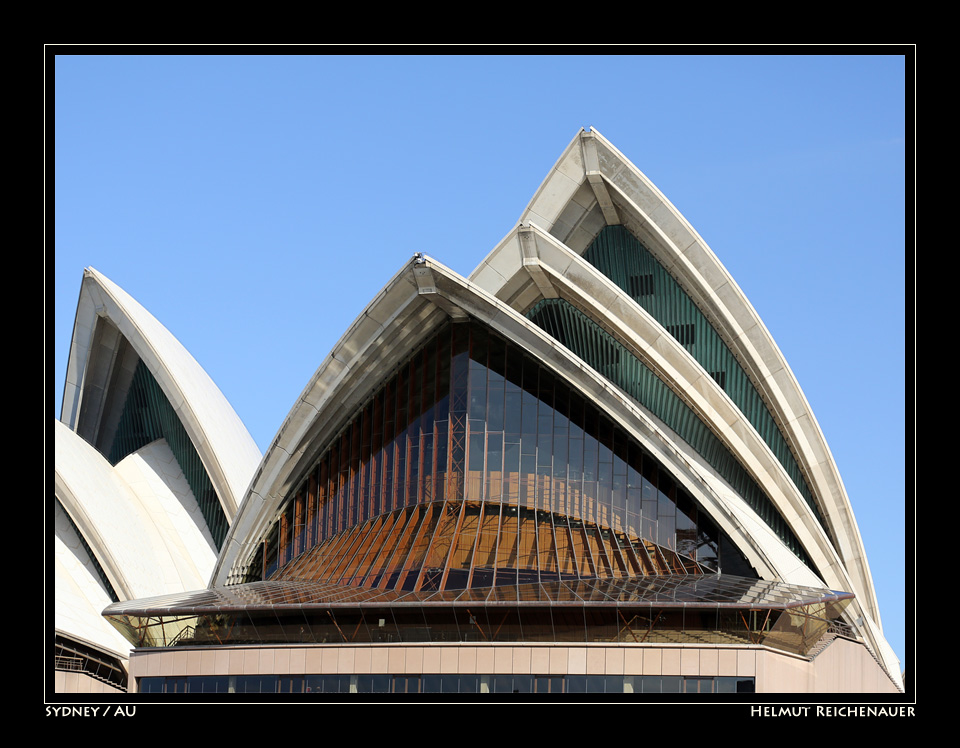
[707, 609]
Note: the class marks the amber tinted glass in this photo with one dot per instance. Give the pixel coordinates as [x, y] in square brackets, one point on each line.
[474, 466]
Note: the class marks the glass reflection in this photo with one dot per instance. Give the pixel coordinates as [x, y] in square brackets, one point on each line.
[473, 466]
[322, 685]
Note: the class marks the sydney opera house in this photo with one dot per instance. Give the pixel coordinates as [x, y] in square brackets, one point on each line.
[585, 468]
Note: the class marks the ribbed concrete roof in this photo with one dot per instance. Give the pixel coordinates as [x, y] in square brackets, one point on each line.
[228, 452]
[591, 185]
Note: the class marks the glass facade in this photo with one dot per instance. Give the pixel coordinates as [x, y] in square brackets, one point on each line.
[447, 683]
[91, 557]
[594, 345]
[624, 260]
[148, 416]
[476, 497]
[474, 466]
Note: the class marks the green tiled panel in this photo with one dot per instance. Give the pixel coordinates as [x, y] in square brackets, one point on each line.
[148, 416]
[586, 339]
[624, 260]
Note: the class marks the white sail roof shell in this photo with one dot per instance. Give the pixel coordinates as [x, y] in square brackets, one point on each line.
[226, 448]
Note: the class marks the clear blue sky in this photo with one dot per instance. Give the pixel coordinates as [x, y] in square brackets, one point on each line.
[256, 204]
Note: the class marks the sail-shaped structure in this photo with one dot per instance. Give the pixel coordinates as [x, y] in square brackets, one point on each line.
[585, 467]
[151, 464]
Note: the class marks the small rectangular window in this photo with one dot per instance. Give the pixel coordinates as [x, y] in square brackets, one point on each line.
[641, 285]
[683, 333]
[720, 377]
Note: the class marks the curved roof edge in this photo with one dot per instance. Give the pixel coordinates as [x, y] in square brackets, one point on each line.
[389, 326]
[138, 529]
[223, 443]
[530, 264]
[420, 297]
[592, 185]
[695, 474]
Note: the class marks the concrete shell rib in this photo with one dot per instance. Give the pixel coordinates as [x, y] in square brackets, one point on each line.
[411, 306]
[422, 296]
[593, 184]
[226, 448]
[529, 265]
[414, 303]
[80, 596]
[391, 325]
